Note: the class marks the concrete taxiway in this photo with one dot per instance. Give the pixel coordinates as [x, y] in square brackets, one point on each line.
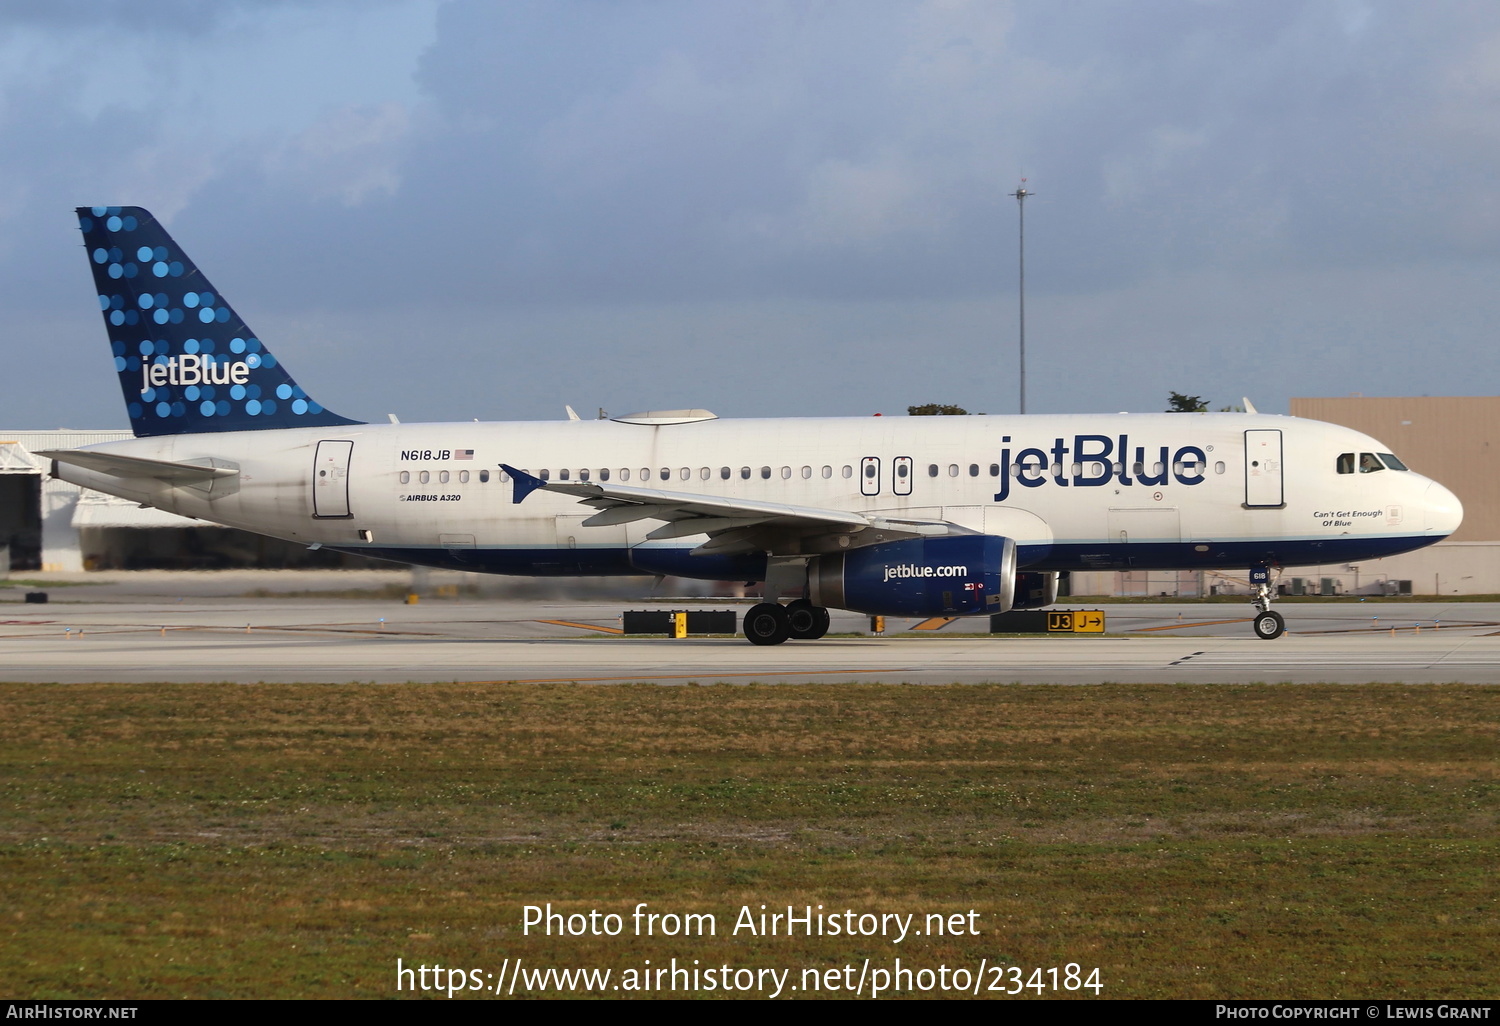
[151, 637]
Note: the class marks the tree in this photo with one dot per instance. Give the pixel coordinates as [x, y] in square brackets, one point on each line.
[937, 410]
[1187, 403]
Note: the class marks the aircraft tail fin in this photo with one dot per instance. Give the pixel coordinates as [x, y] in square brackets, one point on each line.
[187, 362]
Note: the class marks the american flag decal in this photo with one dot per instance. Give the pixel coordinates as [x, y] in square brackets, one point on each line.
[463, 454]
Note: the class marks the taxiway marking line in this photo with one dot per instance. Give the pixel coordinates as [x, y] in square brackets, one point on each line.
[1180, 626]
[584, 626]
[935, 623]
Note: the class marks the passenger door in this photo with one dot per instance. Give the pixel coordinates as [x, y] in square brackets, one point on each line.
[331, 480]
[1263, 483]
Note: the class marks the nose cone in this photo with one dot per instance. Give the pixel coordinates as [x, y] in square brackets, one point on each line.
[1444, 511]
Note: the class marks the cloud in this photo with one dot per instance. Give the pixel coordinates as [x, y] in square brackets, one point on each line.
[564, 188]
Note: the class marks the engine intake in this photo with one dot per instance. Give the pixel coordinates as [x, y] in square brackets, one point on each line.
[966, 575]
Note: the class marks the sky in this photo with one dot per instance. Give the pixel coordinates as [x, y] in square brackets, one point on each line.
[455, 209]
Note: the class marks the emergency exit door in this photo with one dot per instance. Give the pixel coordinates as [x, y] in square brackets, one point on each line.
[1263, 485]
[331, 479]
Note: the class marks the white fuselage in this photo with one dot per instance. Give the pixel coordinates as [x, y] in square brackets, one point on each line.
[1188, 491]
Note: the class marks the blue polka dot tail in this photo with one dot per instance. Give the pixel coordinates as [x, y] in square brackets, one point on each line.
[187, 362]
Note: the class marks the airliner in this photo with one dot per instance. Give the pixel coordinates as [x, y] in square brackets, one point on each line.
[899, 516]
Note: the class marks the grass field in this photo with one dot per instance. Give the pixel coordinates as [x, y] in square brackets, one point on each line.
[290, 841]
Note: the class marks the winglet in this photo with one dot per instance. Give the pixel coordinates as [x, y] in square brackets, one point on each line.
[525, 483]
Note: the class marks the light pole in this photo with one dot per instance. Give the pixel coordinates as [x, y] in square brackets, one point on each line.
[1020, 195]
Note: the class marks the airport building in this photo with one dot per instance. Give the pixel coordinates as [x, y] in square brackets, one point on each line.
[52, 525]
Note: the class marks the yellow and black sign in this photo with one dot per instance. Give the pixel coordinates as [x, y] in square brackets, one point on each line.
[1048, 621]
[1076, 621]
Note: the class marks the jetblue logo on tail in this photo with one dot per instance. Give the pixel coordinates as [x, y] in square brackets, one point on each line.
[193, 369]
[174, 379]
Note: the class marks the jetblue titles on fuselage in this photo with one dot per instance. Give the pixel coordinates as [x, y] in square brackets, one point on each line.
[1100, 460]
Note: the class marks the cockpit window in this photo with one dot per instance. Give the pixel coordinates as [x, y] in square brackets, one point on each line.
[1391, 461]
[1345, 463]
[1369, 463]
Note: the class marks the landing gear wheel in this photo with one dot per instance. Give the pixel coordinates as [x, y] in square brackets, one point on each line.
[766, 624]
[1269, 625]
[807, 621]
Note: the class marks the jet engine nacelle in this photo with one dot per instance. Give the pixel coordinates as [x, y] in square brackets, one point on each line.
[1035, 590]
[966, 575]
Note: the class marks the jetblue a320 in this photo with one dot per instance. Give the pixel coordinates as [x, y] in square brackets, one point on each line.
[918, 516]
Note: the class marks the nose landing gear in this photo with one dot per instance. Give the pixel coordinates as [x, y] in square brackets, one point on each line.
[1268, 625]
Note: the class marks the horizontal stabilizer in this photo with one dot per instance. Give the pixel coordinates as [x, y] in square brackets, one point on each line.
[213, 477]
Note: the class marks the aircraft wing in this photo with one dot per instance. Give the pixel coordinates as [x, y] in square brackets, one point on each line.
[731, 524]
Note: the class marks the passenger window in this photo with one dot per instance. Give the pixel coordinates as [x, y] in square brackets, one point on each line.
[685, 473]
[442, 477]
[1345, 463]
[765, 473]
[806, 473]
[645, 473]
[744, 473]
[1389, 460]
[870, 471]
[1368, 463]
[953, 470]
[932, 470]
[624, 473]
[1115, 468]
[1137, 469]
[724, 473]
[973, 470]
[583, 475]
[484, 477]
[704, 473]
[827, 473]
[1219, 467]
[604, 473]
[786, 473]
[1076, 469]
[848, 471]
[1157, 470]
[562, 475]
[406, 477]
[424, 477]
[903, 470]
[994, 470]
[545, 475]
[666, 473]
[463, 477]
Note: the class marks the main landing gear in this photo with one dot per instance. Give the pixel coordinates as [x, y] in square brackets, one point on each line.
[1267, 623]
[770, 623]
